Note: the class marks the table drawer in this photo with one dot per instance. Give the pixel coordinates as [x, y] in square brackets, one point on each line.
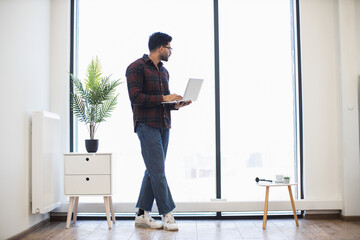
[87, 184]
[87, 164]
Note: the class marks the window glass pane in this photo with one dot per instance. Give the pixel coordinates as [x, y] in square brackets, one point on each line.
[117, 32]
[257, 96]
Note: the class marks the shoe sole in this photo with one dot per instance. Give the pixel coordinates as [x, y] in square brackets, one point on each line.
[143, 225]
[169, 229]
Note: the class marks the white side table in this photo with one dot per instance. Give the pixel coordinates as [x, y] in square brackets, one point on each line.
[268, 185]
[88, 174]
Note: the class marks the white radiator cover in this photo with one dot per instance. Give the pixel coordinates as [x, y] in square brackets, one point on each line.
[46, 161]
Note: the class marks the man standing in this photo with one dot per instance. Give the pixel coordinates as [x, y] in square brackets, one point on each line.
[148, 86]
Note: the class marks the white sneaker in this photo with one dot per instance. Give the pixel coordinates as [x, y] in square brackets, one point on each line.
[146, 221]
[169, 222]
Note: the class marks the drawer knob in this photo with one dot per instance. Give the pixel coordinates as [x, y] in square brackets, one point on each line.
[87, 159]
[87, 179]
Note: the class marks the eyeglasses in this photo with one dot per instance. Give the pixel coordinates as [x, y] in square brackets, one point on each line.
[170, 48]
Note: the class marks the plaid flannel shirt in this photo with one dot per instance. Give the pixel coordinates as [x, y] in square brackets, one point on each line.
[146, 86]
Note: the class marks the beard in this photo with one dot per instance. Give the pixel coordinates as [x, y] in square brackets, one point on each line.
[164, 57]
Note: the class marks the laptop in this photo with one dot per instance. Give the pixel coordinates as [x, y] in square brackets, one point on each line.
[191, 92]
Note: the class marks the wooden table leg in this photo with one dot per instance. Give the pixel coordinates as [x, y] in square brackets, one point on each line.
[293, 206]
[112, 209]
[71, 205]
[266, 206]
[106, 202]
[76, 209]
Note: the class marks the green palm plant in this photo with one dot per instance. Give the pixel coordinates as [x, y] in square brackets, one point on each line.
[95, 99]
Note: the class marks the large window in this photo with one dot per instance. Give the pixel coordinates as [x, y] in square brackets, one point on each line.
[257, 93]
[117, 32]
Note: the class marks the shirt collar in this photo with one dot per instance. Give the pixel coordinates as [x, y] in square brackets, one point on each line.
[147, 60]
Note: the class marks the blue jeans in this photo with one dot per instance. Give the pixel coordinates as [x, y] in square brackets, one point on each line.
[154, 143]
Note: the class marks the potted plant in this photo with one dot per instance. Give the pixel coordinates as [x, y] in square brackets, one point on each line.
[286, 179]
[93, 100]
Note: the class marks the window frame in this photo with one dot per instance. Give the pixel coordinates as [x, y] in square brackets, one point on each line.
[297, 77]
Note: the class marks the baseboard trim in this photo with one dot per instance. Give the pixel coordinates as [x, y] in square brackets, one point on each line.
[59, 217]
[313, 215]
[321, 216]
[350, 218]
[29, 230]
[62, 217]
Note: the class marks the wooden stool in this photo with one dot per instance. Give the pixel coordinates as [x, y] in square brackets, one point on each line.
[107, 203]
[268, 185]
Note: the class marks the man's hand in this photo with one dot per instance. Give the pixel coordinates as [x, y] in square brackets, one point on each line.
[172, 97]
[182, 104]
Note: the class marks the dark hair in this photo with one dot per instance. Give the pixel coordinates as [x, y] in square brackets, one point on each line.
[158, 39]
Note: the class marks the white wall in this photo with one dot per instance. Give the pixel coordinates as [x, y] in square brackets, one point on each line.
[349, 107]
[24, 79]
[357, 27]
[34, 39]
[60, 64]
[321, 106]
[59, 71]
[330, 105]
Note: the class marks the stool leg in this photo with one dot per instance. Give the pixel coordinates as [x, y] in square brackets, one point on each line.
[106, 202]
[266, 206]
[112, 209]
[293, 206]
[76, 209]
[70, 208]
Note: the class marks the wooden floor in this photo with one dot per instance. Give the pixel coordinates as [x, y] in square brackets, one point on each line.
[277, 229]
